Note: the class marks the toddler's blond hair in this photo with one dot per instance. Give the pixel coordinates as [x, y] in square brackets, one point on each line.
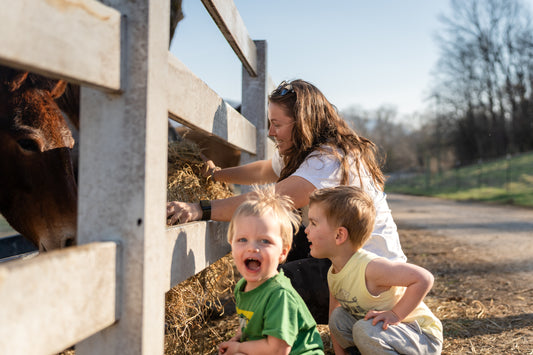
[264, 200]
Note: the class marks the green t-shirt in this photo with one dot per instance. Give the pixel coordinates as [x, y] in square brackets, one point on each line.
[276, 309]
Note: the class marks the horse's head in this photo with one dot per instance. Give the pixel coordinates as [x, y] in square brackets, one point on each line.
[38, 191]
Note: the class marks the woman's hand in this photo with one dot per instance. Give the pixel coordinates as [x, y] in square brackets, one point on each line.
[183, 212]
[209, 169]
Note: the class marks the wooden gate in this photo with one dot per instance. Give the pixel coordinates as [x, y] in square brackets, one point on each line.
[106, 295]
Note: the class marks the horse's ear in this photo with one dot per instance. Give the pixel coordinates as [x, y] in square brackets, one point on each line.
[58, 89]
[16, 82]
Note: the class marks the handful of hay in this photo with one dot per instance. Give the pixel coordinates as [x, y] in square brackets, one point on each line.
[190, 304]
[185, 180]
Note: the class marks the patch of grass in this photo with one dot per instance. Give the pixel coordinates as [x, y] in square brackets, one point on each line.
[5, 228]
[503, 181]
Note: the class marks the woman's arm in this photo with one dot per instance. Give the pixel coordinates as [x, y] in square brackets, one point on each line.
[382, 274]
[257, 172]
[221, 210]
[297, 188]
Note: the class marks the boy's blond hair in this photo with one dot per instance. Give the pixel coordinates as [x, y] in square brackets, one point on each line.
[264, 200]
[348, 207]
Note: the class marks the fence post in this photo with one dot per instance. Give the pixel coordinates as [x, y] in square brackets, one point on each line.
[428, 173]
[508, 173]
[254, 104]
[480, 173]
[122, 184]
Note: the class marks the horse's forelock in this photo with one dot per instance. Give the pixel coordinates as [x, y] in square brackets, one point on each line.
[36, 110]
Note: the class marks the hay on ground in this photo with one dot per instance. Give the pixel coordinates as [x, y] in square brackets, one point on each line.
[191, 304]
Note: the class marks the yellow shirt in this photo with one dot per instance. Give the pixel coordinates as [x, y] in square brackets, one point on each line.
[348, 286]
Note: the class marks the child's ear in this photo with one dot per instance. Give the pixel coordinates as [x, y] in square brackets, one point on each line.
[342, 235]
[283, 255]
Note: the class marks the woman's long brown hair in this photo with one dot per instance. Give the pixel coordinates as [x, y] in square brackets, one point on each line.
[318, 124]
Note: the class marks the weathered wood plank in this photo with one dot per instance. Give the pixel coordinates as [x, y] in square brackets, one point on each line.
[270, 145]
[254, 106]
[230, 23]
[192, 247]
[54, 300]
[75, 40]
[123, 171]
[193, 103]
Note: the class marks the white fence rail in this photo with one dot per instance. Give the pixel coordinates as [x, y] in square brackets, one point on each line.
[106, 295]
[76, 40]
[199, 107]
[67, 295]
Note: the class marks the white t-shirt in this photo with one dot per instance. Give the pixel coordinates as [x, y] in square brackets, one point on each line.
[323, 170]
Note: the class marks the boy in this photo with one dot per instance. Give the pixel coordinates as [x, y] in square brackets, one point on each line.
[381, 309]
[273, 319]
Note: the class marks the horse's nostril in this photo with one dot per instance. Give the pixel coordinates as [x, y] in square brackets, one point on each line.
[69, 242]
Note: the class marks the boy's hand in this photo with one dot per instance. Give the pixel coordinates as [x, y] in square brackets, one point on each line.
[387, 317]
[228, 347]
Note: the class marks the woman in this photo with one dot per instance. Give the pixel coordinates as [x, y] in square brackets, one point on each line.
[315, 149]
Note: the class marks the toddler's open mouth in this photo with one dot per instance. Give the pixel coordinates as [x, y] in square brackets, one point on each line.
[252, 264]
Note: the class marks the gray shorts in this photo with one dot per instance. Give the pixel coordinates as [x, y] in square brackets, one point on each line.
[404, 338]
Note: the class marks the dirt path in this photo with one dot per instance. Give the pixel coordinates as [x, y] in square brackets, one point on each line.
[504, 234]
[482, 259]
[506, 231]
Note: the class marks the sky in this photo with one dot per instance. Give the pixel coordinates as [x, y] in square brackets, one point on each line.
[363, 53]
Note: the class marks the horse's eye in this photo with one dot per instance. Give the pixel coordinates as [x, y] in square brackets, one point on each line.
[28, 144]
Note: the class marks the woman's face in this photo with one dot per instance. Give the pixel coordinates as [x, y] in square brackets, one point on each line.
[281, 126]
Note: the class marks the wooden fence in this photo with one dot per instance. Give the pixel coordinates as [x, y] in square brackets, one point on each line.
[106, 295]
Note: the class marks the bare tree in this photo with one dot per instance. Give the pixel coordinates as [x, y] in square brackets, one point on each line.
[392, 137]
[484, 77]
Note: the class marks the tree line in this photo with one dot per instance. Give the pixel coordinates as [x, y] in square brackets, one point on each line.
[481, 97]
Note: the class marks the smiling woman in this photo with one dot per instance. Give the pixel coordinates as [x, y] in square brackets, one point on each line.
[280, 128]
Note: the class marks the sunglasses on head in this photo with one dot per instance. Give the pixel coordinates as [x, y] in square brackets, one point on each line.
[283, 88]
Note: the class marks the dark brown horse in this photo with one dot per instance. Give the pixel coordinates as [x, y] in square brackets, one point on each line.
[38, 191]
